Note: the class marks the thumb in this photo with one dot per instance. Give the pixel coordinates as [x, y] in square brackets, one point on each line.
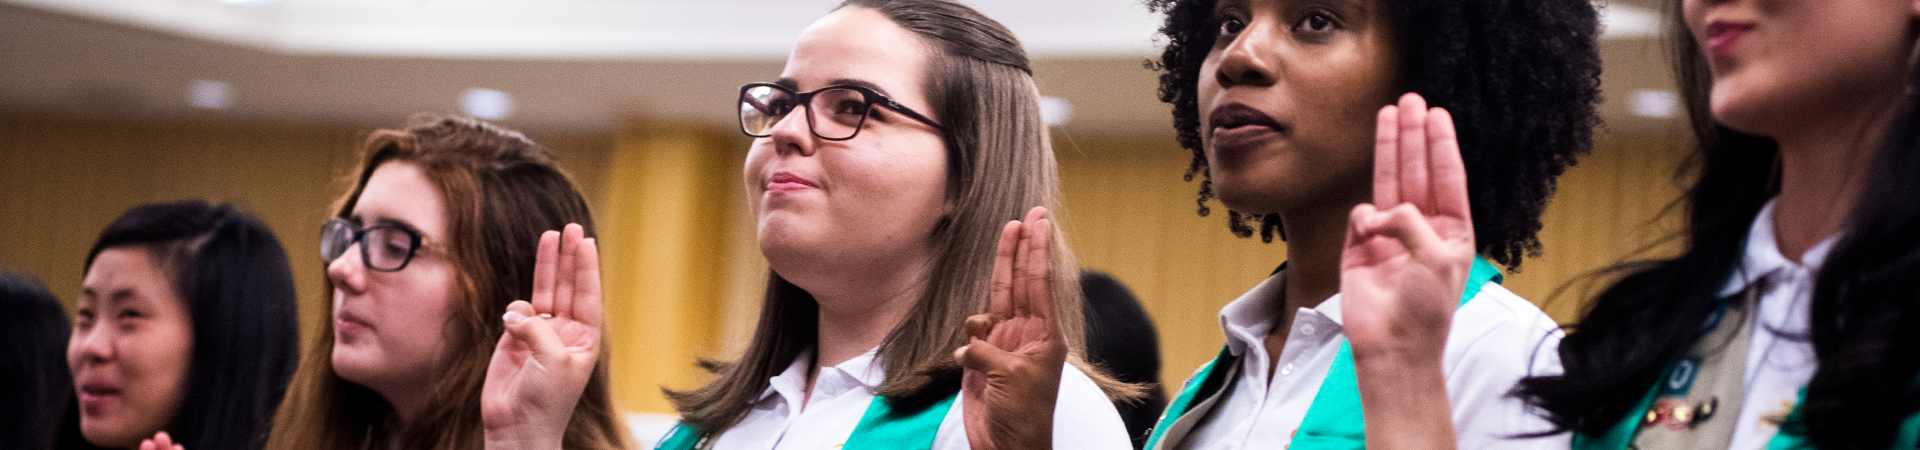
[979, 326]
[534, 332]
[983, 356]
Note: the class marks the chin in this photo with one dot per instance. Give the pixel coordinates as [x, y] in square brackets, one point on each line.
[355, 363]
[1247, 199]
[1734, 104]
[108, 432]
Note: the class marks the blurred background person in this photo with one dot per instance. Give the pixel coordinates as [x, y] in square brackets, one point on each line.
[1121, 339]
[34, 384]
[186, 323]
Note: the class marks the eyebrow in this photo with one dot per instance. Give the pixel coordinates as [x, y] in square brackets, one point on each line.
[360, 221]
[789, 83]
[113, 297]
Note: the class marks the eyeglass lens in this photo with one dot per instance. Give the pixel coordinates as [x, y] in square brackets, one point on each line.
[384, 247]
[832, 113]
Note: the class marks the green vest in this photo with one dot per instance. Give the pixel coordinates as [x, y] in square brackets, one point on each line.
[1334, 419]
[1790, 436]
[881, 427]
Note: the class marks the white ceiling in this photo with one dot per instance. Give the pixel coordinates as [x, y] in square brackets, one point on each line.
[616, 29]
[582, 29]
[567, 64]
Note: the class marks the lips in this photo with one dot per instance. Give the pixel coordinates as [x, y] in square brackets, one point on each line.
[787, 181]
[1238, 125]
[345, 322]
[94, 394]
[1722, 37]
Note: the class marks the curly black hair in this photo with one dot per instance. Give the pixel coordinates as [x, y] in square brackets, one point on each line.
[1521, 78]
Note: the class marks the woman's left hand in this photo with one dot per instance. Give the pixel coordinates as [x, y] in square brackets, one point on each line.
[1015, 354]
[548, 353]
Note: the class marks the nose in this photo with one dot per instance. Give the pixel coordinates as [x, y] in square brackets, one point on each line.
[792, 133]
[92, 345]
[348, 272]
[1247, 60]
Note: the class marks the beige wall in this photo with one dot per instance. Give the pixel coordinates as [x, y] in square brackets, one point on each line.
[682, 267]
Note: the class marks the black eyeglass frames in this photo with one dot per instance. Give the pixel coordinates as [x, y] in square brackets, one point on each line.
[384, 247]
[834, 113]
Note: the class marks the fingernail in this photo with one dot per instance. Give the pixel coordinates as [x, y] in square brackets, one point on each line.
[514, 317]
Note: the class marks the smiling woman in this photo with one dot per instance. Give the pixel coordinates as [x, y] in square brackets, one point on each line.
[185, 324]
[898, 143]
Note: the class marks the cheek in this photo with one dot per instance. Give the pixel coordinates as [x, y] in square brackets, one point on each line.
[1206, 93]
[755, 170]
[425, 312]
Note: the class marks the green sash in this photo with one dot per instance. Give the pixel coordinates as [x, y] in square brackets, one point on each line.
[1334, 420]
[881, 427]
[1790, 437]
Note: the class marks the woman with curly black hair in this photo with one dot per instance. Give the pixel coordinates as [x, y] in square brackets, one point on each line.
[1382, 303]
[1789, 320]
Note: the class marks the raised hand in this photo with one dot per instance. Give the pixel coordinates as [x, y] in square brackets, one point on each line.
[1015, 353]
[160, 441]
[545, 358]
[1405, 264]
[1408, 254]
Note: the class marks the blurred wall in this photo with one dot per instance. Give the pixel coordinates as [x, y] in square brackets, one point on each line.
[682, 267]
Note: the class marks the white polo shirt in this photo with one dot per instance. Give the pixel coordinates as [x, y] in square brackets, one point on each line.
[1780, 359]
[1494, 340]
[1083, 417]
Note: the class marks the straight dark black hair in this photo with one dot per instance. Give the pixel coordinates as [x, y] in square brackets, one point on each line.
[233, 275]
[34, 383]
[1866, 297]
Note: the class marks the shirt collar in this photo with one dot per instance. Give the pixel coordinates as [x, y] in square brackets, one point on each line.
[1249, 319]
[1763, 258]
[792, 382]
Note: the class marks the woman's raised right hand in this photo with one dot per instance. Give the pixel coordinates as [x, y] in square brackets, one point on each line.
[552, 342]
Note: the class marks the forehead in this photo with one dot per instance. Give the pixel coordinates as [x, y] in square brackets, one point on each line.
[129, 267]
[399, 191]
[857, 43]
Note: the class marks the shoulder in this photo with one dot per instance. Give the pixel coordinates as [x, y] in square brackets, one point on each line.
[1500, 326]
[1496, 309]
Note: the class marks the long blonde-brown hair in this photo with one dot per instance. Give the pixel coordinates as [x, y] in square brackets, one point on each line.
[999, 163]
[501, 192]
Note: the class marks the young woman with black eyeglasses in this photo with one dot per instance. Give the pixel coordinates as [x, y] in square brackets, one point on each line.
[899, 156]
[426, 255]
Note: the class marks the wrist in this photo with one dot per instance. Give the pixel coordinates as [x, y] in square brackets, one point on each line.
[510, 439]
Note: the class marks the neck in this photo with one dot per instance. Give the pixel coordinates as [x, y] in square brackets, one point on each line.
[1315, 240]
[406, 403]
[1823, 169]
[857, 313]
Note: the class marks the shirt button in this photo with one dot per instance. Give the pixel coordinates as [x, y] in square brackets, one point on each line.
[1307, 329]
[1286, 370]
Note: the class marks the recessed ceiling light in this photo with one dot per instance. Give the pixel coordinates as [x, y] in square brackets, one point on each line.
[1655, 104]
[1619, 21]
[209, 94]
[1055, 111]
[486, 103]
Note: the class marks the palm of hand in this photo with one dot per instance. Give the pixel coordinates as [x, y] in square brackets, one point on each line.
[1404, 267]
[1014, 360]
[543, 362]
[514, 365]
